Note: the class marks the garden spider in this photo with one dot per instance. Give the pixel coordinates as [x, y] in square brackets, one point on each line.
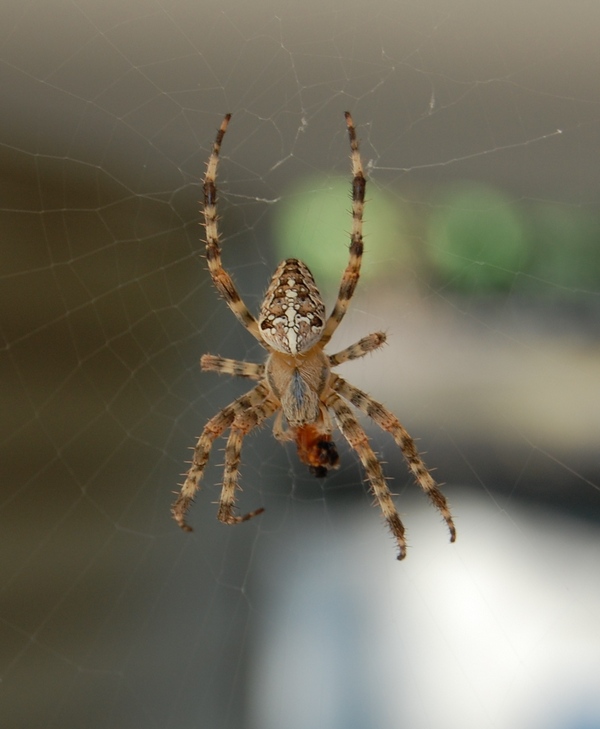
[296, 382]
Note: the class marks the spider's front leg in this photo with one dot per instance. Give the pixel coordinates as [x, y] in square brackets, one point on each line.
[357, 439]
[387, 421]
[243, 423]
[215, 427]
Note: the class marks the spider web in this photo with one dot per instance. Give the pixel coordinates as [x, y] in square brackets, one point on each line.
[479, 127]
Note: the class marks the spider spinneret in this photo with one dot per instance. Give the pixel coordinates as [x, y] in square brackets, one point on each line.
[297, 383]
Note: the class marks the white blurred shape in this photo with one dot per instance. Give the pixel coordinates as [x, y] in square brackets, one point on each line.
[499, 630]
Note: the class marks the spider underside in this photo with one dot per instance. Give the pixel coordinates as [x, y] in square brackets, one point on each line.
[296, 383]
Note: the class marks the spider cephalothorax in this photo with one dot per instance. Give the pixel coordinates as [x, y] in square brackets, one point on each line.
[297, 383]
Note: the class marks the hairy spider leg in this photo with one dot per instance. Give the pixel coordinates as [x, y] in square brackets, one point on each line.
[221, 279]
[352, 272]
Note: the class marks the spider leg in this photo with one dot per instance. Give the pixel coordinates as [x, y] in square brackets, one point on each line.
[352, 272]
[357, 439]
[214, 363]
[389, 422]
[242, 425]
[212, 430]
[359, 349]
[221, 279]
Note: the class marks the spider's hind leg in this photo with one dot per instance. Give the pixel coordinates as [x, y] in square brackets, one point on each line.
[221, 279]
[352, 273]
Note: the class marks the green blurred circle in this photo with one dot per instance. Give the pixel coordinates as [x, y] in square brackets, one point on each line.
[476, 238]
[314, 220]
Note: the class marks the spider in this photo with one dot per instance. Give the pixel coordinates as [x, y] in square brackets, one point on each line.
[296, 382]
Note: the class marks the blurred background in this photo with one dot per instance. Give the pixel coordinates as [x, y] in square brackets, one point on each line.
[479, 126]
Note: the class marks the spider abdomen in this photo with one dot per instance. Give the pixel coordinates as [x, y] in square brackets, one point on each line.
[292, 316]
